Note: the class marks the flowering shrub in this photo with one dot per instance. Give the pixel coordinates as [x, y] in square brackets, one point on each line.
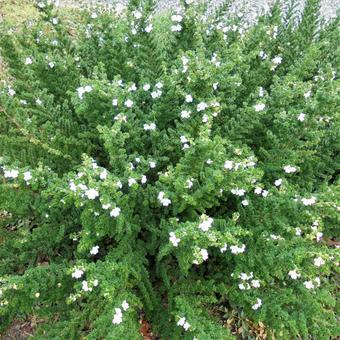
[181, 164]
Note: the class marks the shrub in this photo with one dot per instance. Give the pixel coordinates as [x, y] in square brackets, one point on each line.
[177, 164]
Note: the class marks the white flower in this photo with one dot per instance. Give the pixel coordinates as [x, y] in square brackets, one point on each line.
[258, 191]
[261, 91]
[152, 165]
[159, 85]
[125, 305]
[173, 239]
[27, 176]
[206, 223]
[241, 286]
[278, 182]
[238, 192]
[176, 18]
[94, 15]
[148, 28]
[215, 85]
[51, 64]
[188, 98]
[95, 283]
[186, 326]
[54, 21]
[11, 92]
[318, 281]
[209, 161]
[224, 248]
[77, 274]
[94, 250]
[255, 283]
[301, 117]
[289, 169]
[103, 174]
[88, 88]
[137, 14]
[91, 194]
[293, 274]
[319, 261]
[118, 317]
[189, 183]
[307, 94]
[85, 287]
[11, 173]
[131, 182]
[156, 94]
[106, 206]
[265, 193]
[201, 106]
[204, 254]
[114, 102]
[309, 284]
[237, 249]
[128, 103]
[151, 127]
[185, 114]
[298, 231]
[189, 2]
[41, 5]
[277, 60]
[38, 101]
[205, 118]
[181, 322]
[259, 107]
[319, 236]
[308, 201]
[28, 61]
[146, 87]
[183, 139]
[257, 305]
[228, 165]
[166, 202]
[176, 28]
[245, 203]
[143, 180]
[115, 212]
[37, 295]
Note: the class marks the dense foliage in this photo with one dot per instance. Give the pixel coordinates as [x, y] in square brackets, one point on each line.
[178, 164]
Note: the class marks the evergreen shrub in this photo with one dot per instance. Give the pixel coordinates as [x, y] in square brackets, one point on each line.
[180, 164]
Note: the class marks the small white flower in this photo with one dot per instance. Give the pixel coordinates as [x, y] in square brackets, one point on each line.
[159, 85]
[189, 183]
[88, 88]
[176, 18]
[146, 87]
[201, 106]
[238, 192]
[166, 202]
[149, 127]
[293, 274]
[173, 239]
[228, 165]
[319, 261]
[298, 231]
[307, 94]
[206, 223]
[309, 284]
[205, 118]
[103, 174]
[115, 212]
[319, 236]
[261, 91]
[259, 107]
[277, 60]
[54, 21]
[265, 193]
[237, 249]
[11, 92]
[91, 194]
[148, 28]
[156, 94]
[215, 86]
[258, 191]
[241, 286]
[114, 102]
[188, 98]
[27, 176]
[51, 64]
[125, 305]
[183, 139]
[186, 326]
[255, 283]
[28, 61]
[289, 169]
[85, 287]
[301, 117]
[224, 248]
[152, 165]
[77, 274]
[38, 101]
[106, 206]
[128, 103]
[94, 15]
[143, 180]
[308, 201]
[176, 28]
[137, 14]
[257, 305]
[185, 114]
[278, 182]
[245, 203]
[204, 254]
[118, 317]
[181, 322]
[209, 161]
[131, 182]
[94, 250]
[11, 173]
